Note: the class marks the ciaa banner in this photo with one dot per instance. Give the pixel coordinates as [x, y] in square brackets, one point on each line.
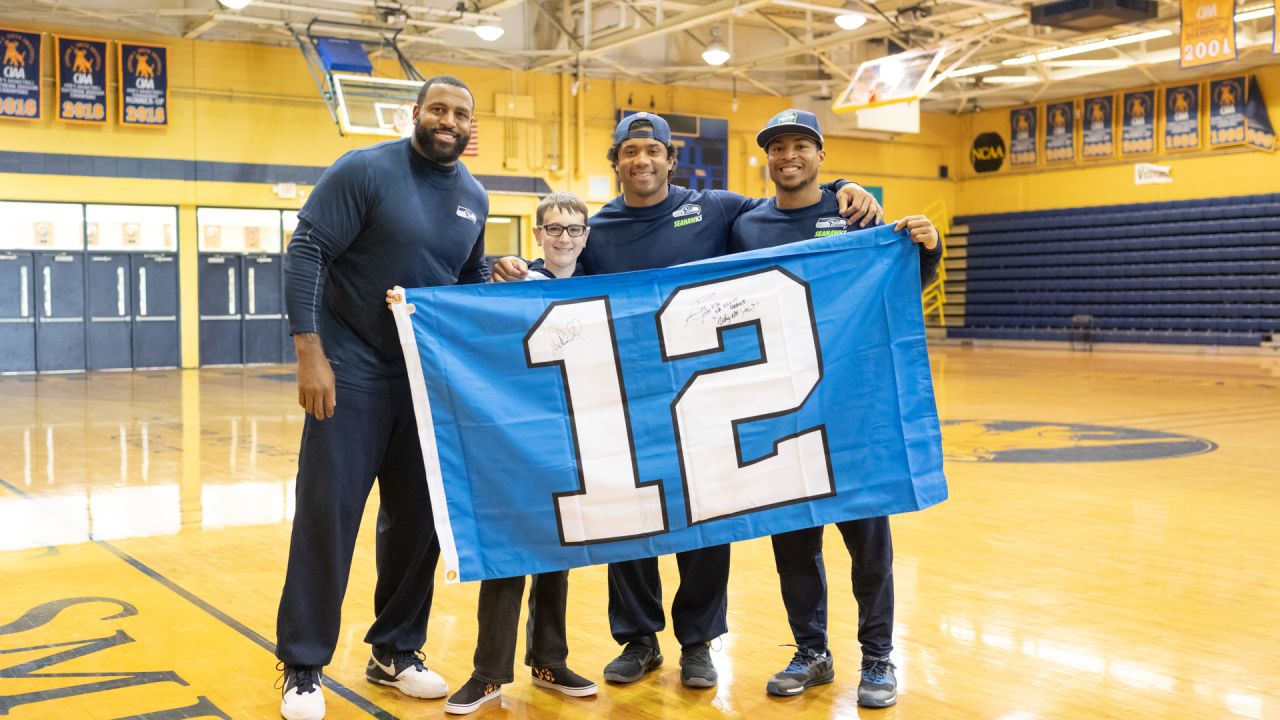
[598, 419]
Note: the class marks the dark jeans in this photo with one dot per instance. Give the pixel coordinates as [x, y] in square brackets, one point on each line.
[370, 434]
[698, 610]
[499, 617]
[798, 556]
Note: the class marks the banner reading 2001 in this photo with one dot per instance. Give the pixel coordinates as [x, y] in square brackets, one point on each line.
[599, 419]
[144, 85]
[1208, 32]
[20, 75]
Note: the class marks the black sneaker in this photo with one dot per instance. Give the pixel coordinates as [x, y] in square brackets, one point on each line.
[563, 680]
[472, 696]
[638, 658]
[301, 698]
[807, 669]
[696, 668]
[878, 687]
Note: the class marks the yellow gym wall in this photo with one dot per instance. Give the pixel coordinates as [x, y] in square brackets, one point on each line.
[1196, 174]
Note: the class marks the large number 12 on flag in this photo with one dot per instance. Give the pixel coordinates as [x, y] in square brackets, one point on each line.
[577, 336]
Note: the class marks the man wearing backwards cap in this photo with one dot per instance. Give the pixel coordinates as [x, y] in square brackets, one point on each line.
[802, 210]
[655, 224]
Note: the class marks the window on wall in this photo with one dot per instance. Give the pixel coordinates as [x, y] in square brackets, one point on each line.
[131, 227]
[41, 226]
[502, 235]
[237, 230]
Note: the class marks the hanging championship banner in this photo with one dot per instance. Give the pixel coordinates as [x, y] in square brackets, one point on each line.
[1182, 118]
[666, 410]
[1208, 32]
[1097, 136]
[81, 65]
[144, 85]
[1226, 112]
[1258, 129]
[1022, 136]
[20, 75]
[1275, 28]
[1138, 123]
[1060, 131]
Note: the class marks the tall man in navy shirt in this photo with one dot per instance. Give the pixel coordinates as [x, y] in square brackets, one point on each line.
[654, 224]
[802, 210]
[403, 212]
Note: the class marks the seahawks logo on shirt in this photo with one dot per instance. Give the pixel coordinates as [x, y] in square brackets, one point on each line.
[829, 226]
[687, 214]
[465, 213]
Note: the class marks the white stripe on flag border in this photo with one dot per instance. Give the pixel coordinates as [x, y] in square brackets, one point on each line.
[426, 437]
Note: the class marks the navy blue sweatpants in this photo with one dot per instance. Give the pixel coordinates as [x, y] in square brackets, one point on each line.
[798, 556]
[697, 611]
[371, 434]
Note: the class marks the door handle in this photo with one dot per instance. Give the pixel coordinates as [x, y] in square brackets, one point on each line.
[231, 291]
[142, 291]
[253, 295]
[24, 305]
[120, 291]
[48, 291]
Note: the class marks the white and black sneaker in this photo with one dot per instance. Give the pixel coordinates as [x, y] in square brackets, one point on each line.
[405, 672]
[302, 698]
[472, 696]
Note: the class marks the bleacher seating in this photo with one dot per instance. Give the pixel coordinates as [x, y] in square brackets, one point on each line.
[1201, 271]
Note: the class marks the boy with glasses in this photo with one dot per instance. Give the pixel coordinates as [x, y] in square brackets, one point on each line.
[561, 231]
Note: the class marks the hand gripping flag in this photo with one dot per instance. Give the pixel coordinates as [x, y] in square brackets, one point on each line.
[609, 418]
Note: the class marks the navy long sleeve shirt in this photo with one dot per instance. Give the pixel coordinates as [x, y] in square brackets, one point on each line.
[767, 225]
[379, 217]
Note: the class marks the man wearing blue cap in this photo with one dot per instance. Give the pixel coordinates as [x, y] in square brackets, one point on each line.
[654, 224]
[802, 210]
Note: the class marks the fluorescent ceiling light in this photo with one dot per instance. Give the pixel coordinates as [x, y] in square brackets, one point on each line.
[1116, 63]
[489, 31]
[1088, 47]
[234, 4]
[1256, 13]
[851, 21]
[971, 70]
[1010, 79]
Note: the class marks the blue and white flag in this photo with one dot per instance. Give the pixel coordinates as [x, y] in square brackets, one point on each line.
[616, 417]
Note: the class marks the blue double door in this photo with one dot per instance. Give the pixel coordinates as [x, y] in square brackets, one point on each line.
[132, 301]
[242, 316]
[68, 311]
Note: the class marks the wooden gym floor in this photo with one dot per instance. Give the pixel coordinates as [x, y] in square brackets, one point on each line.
[1083, 567]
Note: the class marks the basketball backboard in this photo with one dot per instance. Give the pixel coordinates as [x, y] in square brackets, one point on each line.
[369, 105]
[899, 78]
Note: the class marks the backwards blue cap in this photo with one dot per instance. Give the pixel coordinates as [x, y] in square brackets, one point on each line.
[653, 126]
[790, 122]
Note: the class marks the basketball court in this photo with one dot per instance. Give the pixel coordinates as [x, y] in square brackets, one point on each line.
[1104, 340]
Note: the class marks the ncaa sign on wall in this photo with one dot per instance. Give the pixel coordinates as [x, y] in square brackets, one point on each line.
[987, 153]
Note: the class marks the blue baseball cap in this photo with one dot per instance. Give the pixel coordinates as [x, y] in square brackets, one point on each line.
[653, 126]
[790, 122]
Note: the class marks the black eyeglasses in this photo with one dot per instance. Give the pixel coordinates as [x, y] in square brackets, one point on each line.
[558, 230]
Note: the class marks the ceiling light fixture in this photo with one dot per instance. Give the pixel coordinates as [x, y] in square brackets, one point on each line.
[716, 52]
[851, 20]
[489, 32]
[971, 70]
[234, 4]
[1256, 13]
[1087, 47]
[1010, 79]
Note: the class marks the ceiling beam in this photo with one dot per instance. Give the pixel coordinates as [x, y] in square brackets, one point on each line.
[683, 21]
